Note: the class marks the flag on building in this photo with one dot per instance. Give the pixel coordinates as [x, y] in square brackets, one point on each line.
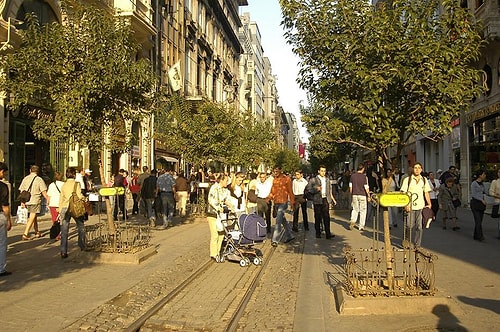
[302, 150]
[174, 76]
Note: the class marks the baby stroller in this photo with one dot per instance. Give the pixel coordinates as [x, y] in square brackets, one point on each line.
[240, 236]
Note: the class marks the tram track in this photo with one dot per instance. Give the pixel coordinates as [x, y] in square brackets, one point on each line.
[162, 318]
[213, 296]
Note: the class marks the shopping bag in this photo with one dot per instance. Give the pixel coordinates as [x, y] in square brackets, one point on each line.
[22, 215]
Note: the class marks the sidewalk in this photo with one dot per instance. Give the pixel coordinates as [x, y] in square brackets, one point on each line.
[467, 279]
[46, 293]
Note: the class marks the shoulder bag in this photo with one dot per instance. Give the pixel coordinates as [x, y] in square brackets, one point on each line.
[25, 195]
[76, 205]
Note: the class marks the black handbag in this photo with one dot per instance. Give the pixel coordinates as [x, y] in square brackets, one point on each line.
[55, 230]
[456, 203]
[494, 211]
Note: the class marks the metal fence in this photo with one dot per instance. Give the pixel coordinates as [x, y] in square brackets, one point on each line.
[366, 272]
[127, 239]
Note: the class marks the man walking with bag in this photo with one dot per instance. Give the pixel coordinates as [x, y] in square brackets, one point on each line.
[37, 187]
[418, 188]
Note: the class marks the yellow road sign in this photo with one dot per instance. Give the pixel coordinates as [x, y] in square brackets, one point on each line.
[394, 199]
[111, 191]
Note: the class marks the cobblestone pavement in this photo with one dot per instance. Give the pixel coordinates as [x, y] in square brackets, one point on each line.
[45, 293]
[272, 306]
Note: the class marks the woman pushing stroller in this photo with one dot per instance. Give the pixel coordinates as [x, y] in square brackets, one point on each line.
[217, 197]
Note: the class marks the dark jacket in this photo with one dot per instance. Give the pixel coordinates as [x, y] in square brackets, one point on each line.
[148, 189]
[313, 185]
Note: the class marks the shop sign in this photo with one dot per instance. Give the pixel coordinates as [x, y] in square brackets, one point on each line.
[111, 191]
[394, 199]
[482, 113]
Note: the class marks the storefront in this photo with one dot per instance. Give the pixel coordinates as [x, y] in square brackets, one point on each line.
[484, 139]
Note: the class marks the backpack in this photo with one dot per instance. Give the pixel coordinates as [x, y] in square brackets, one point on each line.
[76, 206]
[307, 193]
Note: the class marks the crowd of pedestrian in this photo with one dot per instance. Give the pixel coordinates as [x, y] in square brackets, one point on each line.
[432, 196]
[158, 195]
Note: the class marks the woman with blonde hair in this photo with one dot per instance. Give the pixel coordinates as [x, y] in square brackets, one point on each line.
[217, 197]
[238, 192]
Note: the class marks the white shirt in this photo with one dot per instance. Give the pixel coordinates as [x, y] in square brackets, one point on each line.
[299, 185]
[54, 193]
[262, 190]
[79, 178]
[434, 189]
[417, 190]
[323, 185]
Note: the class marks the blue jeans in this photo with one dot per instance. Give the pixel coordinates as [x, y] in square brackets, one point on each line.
[3, 242]
[168, 205]
[148, 205]
[66, 217]
[280, 220]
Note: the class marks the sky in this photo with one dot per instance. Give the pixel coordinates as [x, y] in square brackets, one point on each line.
[267, 15]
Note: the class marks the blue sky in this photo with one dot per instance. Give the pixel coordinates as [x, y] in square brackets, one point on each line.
[267, 14]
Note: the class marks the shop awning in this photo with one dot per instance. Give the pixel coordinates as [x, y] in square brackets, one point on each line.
[169, 159]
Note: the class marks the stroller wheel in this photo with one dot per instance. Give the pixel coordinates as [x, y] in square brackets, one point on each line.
[243, 262]
[257, 261]
[219, 259]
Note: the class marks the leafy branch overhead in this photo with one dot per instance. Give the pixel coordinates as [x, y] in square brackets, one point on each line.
[205, 130]
[382, 75]
[84, 72]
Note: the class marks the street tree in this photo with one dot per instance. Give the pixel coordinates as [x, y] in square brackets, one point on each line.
[323, 147]
[382, 76]
[288, 159]
[85, 74]
[207, 130]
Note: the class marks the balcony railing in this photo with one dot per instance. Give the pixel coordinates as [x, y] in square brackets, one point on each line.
[140, 8]
[488, 13]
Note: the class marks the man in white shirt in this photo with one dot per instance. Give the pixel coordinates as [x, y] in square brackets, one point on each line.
[262, 190]
[299, 184]
[418, 188]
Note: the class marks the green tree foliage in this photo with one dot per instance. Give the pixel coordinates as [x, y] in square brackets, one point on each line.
[84, 71]
[85, 75]
[323, 147]
[286, 158]
[382, 75]
[377, 77]
[206, 131]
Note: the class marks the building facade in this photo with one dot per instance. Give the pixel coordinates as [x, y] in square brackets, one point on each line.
[215, 52]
